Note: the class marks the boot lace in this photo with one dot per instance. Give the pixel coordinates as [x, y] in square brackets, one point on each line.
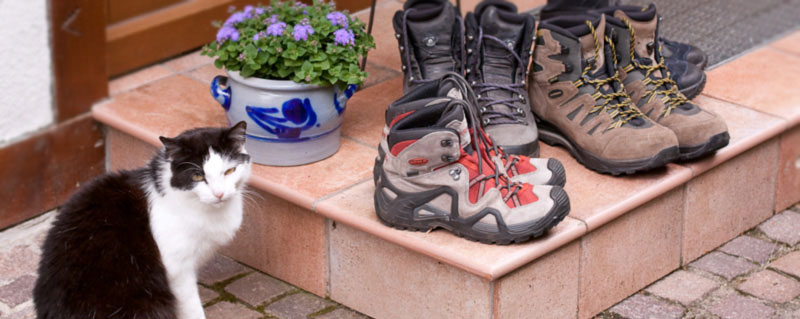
[436, 56]
[671, 96]
[621, 110]
[489, 115]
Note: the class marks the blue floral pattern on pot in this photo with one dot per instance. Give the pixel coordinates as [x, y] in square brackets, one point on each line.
[287, 122]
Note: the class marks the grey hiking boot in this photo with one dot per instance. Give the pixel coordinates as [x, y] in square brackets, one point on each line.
[519, 168]
[581, 103]
[498, 47]
[430, 39]
[647, 80]
[437, 174]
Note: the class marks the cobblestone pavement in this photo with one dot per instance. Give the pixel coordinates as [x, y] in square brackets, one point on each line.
[753, 276]
[228, 289]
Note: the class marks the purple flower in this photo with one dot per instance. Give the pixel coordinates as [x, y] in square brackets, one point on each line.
[259, 11]
[248, 9]
[236, 18]
[271, 20]
[302, 31]
[337, 18]
[227, 33]
[344, 37]
[299, 4]
[276, 29]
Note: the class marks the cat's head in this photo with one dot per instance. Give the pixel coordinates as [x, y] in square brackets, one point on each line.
[211, 163]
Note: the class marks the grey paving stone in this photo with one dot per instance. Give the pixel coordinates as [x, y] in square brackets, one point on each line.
[17, 261]
[227, 310]
[206, 294]
[18, 291]
[342, 313]
[25, 313]
[751, 248]
[723, 265]
[647, 307]
[683, 286]
[769, 285]
[297, 306]
[218, 269]
[784, 227]
[256, 288]
[789, 264]
[740, 307]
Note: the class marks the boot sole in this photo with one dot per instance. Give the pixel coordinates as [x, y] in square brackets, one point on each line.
[402, 213]
[712, 145]
[552, 136]
[695, 90]
[529, 150]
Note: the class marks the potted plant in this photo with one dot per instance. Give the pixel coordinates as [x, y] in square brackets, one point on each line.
[291, 68]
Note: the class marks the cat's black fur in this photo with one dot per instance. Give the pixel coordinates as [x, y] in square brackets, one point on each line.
[100, 259]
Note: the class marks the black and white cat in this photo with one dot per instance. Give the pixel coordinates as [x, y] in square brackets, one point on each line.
[129, 244]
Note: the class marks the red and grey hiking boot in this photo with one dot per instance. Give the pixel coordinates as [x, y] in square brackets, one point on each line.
[430, 37]
[519, 168]
[634, 32]
[436, 174]
[498, 48]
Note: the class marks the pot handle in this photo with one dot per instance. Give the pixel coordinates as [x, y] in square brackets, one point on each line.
[222, 95]
[340, 99]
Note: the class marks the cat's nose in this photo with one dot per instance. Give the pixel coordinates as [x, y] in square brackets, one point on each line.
[219, 195]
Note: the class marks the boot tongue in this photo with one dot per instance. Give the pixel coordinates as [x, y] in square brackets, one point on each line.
[431, 30]
[588, 44]
[644, 25]
[455, 118]
[498, 61]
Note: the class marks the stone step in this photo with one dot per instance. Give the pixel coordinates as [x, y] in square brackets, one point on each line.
[315, 227]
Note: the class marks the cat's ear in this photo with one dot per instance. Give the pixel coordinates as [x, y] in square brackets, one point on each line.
[237, 133]
[170, 145]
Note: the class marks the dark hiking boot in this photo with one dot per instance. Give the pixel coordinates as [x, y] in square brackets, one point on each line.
[679, 51]
[430, 39]
[519, 168]
[691, 80]
[581, 103]
[436, 174]
[646, 78]
[498, 47]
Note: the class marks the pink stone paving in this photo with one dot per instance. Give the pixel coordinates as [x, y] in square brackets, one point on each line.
[784, 227]
[789, 264]
[227, 310]
[723, 265]
[771, 286]
[218, 269]
[18, 291]
[739, 307]
[297, 306]
[342, 313]
[257, 288]
[683, 286]
[206, 294]
[647, 307]
[751, 248]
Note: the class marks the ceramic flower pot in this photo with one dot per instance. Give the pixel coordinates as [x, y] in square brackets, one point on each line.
[288, 123]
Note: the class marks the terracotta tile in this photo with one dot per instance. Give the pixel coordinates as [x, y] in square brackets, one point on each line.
[355, 208]
[599, 198]
[205, 73]
[764, 80]
[370, 275]
[283, 240]
[790, 43]
[748, 128]
[729, 199]
[629, 253]
[547, 287]
[188, 62]
[42, 171]
[127, 152]
[137, 78]
[365, 116]
[385, 52]
[787, 190]
[379, 74]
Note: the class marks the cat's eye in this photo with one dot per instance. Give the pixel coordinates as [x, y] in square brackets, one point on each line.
[230, 171]
[198, 177]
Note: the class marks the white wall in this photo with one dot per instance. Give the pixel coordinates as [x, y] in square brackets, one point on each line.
[26, 96]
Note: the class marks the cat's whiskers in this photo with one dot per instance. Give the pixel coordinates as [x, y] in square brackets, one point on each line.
[251, 198]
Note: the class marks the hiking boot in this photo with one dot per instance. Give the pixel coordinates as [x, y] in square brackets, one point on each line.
[646, 77]
[581, 104]
[430, 39]
[679, 51]
[436, 174]
[691, 80]
[519, 168]
[498, 47]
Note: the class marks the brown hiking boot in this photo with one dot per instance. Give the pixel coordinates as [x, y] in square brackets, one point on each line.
[581, 103]
[633, 30]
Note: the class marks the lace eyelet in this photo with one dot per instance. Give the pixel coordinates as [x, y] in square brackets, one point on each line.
[448, 158]
[567, 67]
[397, 35]
[483, 109]
[564, 50]
[401, 48]
[486, 121]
